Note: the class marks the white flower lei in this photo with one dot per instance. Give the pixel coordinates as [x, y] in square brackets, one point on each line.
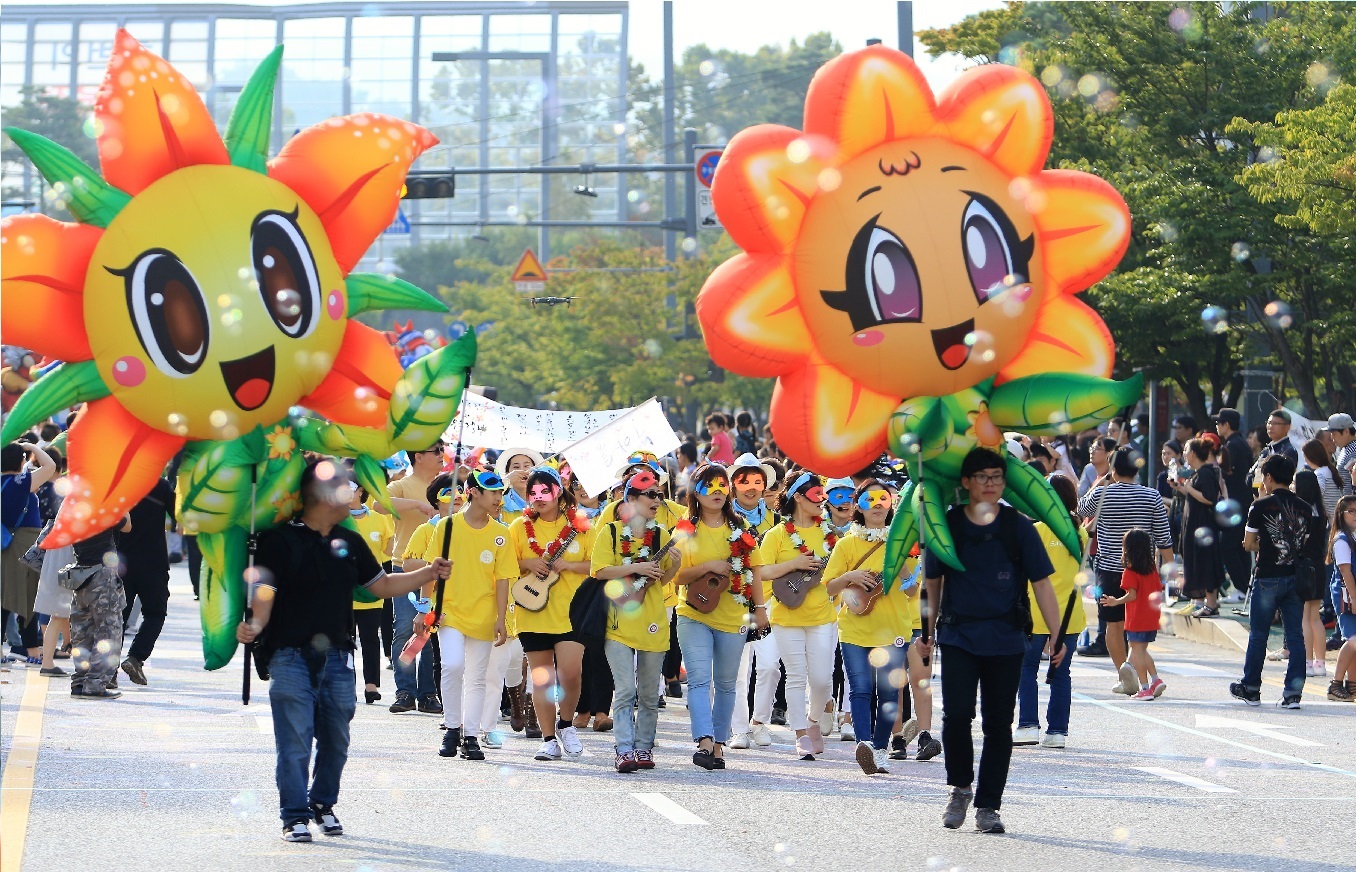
[871, 534]
[643, 554]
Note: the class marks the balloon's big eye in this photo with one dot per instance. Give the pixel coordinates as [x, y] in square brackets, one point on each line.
[995, 259]
[286, 272]
[168, 311]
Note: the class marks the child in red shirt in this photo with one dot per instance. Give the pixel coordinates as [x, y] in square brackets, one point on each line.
[1143, 596]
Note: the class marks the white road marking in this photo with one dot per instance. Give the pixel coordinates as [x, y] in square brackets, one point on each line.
[1083, 697]
[1190, 670]
[670, 809]
[1188, 780]
[265, 724]
[1257, 728]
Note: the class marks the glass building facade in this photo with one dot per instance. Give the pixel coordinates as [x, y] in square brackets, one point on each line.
[501, 84]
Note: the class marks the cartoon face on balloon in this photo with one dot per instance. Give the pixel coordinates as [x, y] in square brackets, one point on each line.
[904, 245]
[172, 299]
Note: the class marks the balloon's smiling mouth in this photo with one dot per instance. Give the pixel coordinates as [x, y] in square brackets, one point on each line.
[949, 342]
[250, 379]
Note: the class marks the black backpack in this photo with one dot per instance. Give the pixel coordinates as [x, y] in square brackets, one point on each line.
[1007, 534]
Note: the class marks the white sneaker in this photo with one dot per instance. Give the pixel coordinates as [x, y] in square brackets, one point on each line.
[1233, 597]
[762, 736]
[569, 738]
[1052, 740]
[882, 760]
[740, 742]
[827, 721]
[1026, 735]
[846, 732]
[492, 739]
[1129, 681]
[868, 758]
[549, 750]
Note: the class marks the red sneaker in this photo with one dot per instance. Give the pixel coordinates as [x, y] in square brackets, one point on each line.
[627, 762]
[645, 759]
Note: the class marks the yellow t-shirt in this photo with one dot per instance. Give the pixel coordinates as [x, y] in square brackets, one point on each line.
[377, 531]
[1062, 580]
[713, 543]
[418, 544]
[895, 616]
[411, 487]
[817, 610]
[479, 559]
[507, 518]
[643, 626]
[555, 618]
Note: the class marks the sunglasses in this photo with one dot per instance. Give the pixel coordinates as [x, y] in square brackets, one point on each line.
[713, 486]
[650, 494]
[873, 498]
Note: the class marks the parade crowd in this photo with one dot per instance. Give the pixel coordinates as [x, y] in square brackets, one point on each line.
[505, 599]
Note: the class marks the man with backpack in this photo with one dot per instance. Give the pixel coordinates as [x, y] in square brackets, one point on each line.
[306, 574]
[982, 626]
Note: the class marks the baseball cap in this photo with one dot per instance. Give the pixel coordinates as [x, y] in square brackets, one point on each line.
[1341, 421]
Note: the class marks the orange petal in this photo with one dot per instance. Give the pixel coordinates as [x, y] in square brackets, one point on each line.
[350, 171]
[358, 390]
[864, 98]
[750, 318]
[152, 120]
[42, 284]
[1067, 337]
[765, 181]
[115, 460]
[1084, 228]
[1003, 113]
[826, 422]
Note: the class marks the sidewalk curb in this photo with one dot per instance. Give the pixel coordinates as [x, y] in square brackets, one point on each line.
[1220, 632]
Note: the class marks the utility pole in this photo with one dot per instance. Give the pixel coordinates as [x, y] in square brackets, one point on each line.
[904, 11]
[670, 134]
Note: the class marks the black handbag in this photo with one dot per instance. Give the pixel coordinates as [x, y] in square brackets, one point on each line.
[589, 609]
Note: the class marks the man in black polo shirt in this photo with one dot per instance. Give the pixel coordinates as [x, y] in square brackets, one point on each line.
[307, 572]
[982, 633]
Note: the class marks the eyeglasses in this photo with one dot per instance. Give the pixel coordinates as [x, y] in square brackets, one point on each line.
[650, 494]
[873, 498]
[987, 478]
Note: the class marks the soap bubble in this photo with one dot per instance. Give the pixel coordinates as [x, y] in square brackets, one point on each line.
[339, 547]
[287, 303]
[1216, 320]
[1229, 513]
[1278, 315]
[1205, 537]
[1240, 251]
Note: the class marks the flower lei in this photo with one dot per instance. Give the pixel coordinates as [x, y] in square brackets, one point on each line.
[870, 534]
[572, 521]
[742, 543]
[646, 547]
[830, 538]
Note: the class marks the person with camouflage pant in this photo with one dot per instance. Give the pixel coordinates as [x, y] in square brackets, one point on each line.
[96, 619]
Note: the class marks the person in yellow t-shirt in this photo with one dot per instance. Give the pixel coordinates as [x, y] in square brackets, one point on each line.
[806, 636]
[415, 681]
[638, 632]
[1065, 581]
[472, 633]
[373, 619]
[555, 653]
[875, 645]
[716, 545]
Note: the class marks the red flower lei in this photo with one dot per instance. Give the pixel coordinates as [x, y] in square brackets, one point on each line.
[572, 521]
[646, 545]
[830, 538]
[742, 543]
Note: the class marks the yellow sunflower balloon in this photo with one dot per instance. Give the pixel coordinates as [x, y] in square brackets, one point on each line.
[203, 303]
[908, 275]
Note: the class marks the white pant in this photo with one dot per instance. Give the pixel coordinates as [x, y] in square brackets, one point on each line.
[764, 653]
[807, 654]
[505, 670]
[467, 668]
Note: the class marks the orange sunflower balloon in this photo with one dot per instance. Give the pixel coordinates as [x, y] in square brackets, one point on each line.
[906, 246]
[204, 301]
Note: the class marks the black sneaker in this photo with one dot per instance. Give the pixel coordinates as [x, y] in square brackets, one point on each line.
[134, 669]
[431, 705]
[1290, 701]
[928, 747]
[451, 743]
[297, 830]
[779, 717]
[675, 689]
[324, 815]
[1093, 650]
[899, 749]
[1238, 691]
[101, 693]
[404, 702]
[470, 748]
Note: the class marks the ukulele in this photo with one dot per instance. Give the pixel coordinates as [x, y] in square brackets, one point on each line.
[634, 587]
[704, 593]
[792, 588]
[858, 601]
[532, 592]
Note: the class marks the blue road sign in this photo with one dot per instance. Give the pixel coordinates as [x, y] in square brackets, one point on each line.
[400, 225]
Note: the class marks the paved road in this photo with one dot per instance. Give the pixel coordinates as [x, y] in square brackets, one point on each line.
[178, 775]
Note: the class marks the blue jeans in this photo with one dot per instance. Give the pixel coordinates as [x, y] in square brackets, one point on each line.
[415, 679]
[1061, 687]
[876, 721]
[313, 701]
[711, 657]
[1268, 595]
[634, 723]
[1346, 621]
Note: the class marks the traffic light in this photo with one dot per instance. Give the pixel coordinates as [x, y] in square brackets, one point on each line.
[437, 187]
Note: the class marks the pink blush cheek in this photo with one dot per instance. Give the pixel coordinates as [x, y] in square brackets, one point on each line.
[867, 338]
[129, 372]
[334, 304]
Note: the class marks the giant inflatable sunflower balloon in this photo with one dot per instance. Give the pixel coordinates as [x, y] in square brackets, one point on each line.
[908, 276]
[203, 303]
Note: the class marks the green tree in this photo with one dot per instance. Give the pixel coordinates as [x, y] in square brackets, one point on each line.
[64, 120]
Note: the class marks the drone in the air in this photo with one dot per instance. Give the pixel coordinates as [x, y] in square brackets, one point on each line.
[549, 301]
